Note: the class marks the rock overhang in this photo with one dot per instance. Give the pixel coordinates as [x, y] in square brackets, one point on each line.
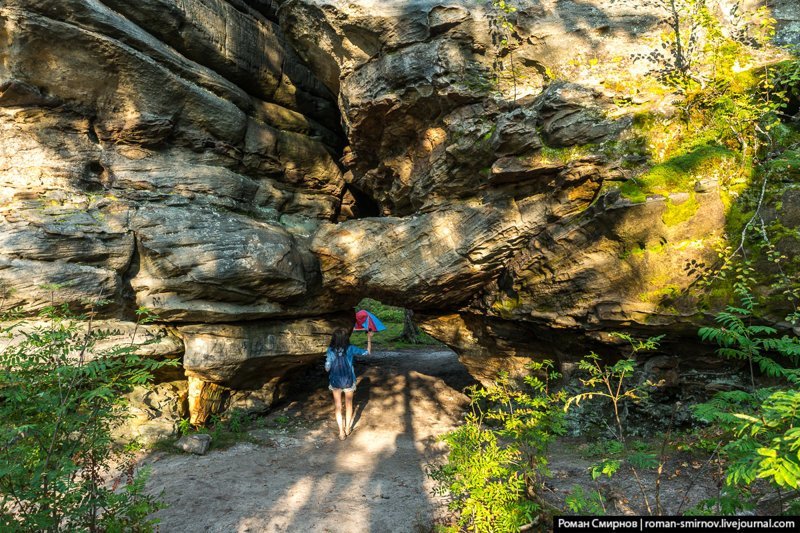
[192, 163]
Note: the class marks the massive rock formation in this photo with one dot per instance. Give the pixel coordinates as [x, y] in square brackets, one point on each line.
[173, 155]
[453, 115]
[249, 169]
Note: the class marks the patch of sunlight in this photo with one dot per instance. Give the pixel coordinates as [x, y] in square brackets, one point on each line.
[283, 512]
[696, 244]
[363, 454]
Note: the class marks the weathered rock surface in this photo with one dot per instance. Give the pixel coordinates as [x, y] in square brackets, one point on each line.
[218, 353]
[249, 169]
[155, 412]
[446, 118]
[787, 16]
[423, 83]
[622, 265]
[197, 444]
[176, 155]
[208, 255]
[153, 341]
[123, 134]
[489, 346]
[441, 258]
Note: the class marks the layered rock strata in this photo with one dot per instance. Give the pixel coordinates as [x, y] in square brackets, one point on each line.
[497, 202]
[172, 155]
[249, 169]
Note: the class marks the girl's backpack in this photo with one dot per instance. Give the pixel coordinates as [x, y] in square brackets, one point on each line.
[341, 374]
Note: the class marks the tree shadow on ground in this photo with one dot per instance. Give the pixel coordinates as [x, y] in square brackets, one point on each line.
[307, 480]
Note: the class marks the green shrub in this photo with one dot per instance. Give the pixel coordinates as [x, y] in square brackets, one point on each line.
[612, 384]
[762, 424]
[387, 313]
[60, 397]
[497, 460]
[392, 338]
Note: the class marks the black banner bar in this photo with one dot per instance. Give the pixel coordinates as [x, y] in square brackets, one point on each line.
[631, 524]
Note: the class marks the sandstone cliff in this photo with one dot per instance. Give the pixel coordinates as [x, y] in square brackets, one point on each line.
[249, 169]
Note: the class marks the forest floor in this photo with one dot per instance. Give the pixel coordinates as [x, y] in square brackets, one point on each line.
[295, 475]
[292, 473]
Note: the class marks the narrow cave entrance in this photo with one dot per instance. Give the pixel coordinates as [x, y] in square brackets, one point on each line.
[355, 203]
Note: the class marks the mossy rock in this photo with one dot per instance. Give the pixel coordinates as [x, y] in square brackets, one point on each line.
[678, 212]
[676, 174]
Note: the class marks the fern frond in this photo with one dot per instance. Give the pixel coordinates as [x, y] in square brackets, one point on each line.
[762, 330]
[770, 367]
[732, 353]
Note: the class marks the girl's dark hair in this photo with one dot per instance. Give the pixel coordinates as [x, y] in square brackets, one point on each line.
[340, 339]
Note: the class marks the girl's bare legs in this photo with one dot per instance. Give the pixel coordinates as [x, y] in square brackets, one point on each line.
[348, 400]
[337, 401]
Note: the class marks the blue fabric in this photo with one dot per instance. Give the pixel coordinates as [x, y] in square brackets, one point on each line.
[342, 374]
[375, 322]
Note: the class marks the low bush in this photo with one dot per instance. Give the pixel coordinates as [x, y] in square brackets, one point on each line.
[61, 395]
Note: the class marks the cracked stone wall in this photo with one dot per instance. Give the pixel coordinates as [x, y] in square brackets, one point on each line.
[250, 169]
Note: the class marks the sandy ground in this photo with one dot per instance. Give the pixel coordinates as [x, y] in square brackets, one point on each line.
[300, 477]
[297, 476]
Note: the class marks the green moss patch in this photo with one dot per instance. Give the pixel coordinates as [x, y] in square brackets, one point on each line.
[677, 174]
[785, 167]
[659, 296]
[505, 306]
[674, 214]
[736, 217]
[633, 191]
[641, 249]
[565, 155]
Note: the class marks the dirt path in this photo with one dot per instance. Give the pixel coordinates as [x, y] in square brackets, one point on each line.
[300, 477]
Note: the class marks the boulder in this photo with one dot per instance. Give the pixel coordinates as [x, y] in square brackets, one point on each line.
[34, 285]
[787, 15]
[197, 443]
[196, 254]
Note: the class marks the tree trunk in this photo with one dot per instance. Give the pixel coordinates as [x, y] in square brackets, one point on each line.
[205, 399]
[410, 330]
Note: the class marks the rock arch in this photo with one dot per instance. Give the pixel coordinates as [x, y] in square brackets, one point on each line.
[221, 162]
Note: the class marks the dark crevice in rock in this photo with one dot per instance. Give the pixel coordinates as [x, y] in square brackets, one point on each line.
[128, 294]
[95, 167]
[92, 178]
[91, 132]
[268, 8]
[362, 204]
